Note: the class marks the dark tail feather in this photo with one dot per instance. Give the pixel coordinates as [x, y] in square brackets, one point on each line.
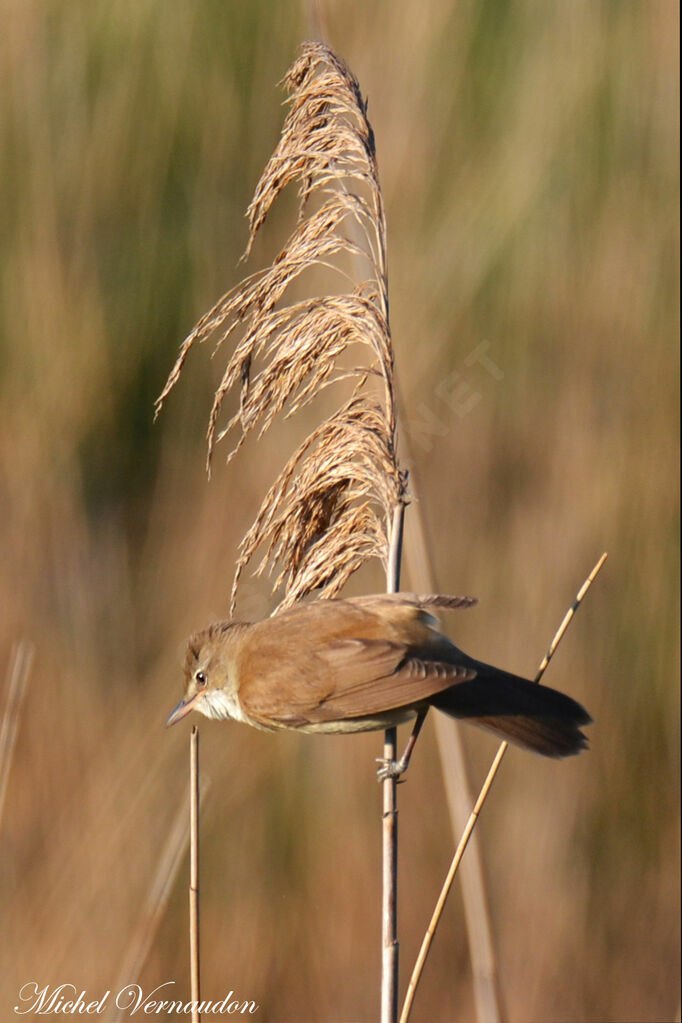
[547, 736]
[529, 715]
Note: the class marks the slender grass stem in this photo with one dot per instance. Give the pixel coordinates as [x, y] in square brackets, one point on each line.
[194, 873]
[478, 806]
[389, 911]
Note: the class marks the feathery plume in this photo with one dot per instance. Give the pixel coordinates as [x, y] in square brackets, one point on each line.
[332, 505]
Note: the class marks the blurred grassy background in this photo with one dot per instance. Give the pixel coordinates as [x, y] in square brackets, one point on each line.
[528, 154]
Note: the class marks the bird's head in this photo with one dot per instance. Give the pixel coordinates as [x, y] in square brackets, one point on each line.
[207, 676]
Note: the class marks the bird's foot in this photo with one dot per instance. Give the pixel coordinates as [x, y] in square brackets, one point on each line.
[391, 769]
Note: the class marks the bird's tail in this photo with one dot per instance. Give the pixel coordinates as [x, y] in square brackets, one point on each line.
[529, 715]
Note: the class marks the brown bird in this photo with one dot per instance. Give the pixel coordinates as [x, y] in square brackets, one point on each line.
[362, 664]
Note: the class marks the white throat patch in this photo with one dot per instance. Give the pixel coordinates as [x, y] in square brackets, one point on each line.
[219, 705]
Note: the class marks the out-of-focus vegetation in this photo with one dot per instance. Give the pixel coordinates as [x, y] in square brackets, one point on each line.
[528, 154]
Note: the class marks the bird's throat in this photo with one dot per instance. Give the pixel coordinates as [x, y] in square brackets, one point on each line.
[221, 705]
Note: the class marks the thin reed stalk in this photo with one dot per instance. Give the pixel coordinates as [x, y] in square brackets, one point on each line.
[488, 998]
[390, 958]
[478, 806]
[194, 798]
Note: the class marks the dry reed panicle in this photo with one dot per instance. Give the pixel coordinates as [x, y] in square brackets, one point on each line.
[331, 507]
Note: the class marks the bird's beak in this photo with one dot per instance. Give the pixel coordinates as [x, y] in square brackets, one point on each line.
[179, 712]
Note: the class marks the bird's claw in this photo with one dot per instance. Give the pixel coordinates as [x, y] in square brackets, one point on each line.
[390, 769]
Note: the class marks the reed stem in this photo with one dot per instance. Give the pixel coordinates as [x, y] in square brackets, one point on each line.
[478, 806]
[194, 873]
[389, 911]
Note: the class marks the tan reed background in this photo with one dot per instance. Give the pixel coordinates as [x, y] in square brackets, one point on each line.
[528, 156]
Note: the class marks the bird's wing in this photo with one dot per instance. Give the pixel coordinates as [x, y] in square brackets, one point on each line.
[365, 689]
[332, 661]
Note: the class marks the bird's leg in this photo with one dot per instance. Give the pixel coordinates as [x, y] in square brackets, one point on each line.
[394, 768]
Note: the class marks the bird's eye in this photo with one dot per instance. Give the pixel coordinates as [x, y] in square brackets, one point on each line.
[200, 678]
